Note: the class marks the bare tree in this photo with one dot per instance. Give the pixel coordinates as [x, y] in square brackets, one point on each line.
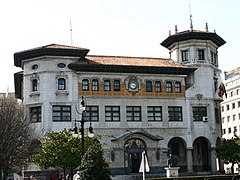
[15, 136]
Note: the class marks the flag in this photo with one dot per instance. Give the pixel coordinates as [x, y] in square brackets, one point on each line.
[144, 167]
[222, 90]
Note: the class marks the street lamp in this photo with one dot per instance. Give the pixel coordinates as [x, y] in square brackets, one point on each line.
[80, 107]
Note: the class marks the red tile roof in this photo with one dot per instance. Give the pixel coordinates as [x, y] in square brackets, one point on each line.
[131, 61]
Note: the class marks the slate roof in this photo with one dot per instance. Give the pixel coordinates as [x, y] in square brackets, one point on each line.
[194, 34]
[49, 50]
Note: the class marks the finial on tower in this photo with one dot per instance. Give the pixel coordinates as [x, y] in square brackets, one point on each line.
[191, 24]
[206, 27]
[176, 30]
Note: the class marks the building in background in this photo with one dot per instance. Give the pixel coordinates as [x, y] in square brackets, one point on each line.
[158, 105]
[230, 108]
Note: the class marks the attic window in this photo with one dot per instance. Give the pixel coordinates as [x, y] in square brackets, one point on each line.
[35, 66]
[61, 65]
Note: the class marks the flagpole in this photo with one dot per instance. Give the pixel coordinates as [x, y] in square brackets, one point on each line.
[144, 166]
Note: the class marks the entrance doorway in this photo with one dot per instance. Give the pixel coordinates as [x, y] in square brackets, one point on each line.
[133, 154]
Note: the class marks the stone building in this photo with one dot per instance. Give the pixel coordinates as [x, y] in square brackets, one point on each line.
[160, 105]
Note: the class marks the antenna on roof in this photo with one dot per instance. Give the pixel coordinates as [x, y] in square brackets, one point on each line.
[191, 24]
[71, 32]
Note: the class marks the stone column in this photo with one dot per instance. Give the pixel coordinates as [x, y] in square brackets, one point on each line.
[189, 160]
[213, 159]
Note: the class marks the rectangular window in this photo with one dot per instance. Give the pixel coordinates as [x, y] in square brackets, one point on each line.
[61, 113]
[177, 87]
[169, 86]
[107, 85]
[112, 113]
[61, 84]
[234, 117]
[199, 113]
[235, 129]
[34, 85]
[158, 86]
[238, 103]
[35, 114]
[229, 130]
[95, 85]
[222, 108]
[154, 113]
[201, 54]
[91, 114]
[227, 107]
[228, 119]
[184, 55]
[148, 86]
[223, 118]
[116, 85]
[224, 131]
[233, 105]
[175, 113]
[134, 113]
[85, 85]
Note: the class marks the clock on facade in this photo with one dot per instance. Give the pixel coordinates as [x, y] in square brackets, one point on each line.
[133, 85]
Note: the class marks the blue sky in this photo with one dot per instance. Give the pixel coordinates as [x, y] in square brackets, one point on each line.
[112, 27]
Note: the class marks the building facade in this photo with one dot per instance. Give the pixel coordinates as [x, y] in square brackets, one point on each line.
[160, 105]
[230, 108]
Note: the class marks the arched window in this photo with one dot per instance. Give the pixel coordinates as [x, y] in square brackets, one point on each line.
[177, 87]
[168, 86]
[107, 85]
[85, 85]
[148, 86]
[116, 85]
[158, 87]
[95, 86]
[61, 84]
[34, 85]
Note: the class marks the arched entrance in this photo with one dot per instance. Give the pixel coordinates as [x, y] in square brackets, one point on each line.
[133, 154]
[201, 154]
[177, 148]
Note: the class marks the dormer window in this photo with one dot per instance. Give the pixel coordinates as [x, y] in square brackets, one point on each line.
[201, 54]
